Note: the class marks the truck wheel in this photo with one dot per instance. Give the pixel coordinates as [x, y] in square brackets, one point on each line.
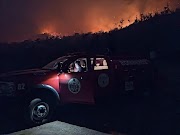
[39, 112]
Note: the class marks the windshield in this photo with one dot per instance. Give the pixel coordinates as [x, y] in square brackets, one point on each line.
[54, 64]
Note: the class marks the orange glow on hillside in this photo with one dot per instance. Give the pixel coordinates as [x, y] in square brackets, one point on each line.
[94, 22]
[49, 30]
[99, 20]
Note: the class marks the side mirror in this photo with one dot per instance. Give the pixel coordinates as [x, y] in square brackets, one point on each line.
[60, 67]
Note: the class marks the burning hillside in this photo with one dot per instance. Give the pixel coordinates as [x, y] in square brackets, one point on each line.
[21, 20]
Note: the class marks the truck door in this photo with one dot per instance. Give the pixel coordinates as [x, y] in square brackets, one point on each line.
[76, 85]
[102, 76]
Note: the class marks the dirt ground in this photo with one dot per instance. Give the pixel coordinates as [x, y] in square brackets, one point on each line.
[58, 128]
[129, 117]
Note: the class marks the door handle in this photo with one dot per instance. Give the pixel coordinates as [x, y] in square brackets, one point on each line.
[83, 78]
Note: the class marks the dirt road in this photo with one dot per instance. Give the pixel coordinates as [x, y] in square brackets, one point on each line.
[58, 128]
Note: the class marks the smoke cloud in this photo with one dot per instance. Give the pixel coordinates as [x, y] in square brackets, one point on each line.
[20, 19]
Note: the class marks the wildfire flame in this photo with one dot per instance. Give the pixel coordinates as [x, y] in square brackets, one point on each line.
[98, 19]
[49, 30]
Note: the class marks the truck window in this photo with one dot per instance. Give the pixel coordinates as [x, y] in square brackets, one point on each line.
[79, 65]
[100, 64]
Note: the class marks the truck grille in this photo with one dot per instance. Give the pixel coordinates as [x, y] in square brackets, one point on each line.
[7, 88]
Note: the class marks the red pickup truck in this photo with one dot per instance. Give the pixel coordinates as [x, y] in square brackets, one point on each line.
[76, 78]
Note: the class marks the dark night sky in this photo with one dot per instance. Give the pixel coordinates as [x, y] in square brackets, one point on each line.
[23, 19]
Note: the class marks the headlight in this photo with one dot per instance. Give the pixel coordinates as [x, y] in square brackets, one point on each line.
[7, 88]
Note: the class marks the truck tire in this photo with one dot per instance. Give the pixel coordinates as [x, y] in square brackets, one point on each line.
[39, 111]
